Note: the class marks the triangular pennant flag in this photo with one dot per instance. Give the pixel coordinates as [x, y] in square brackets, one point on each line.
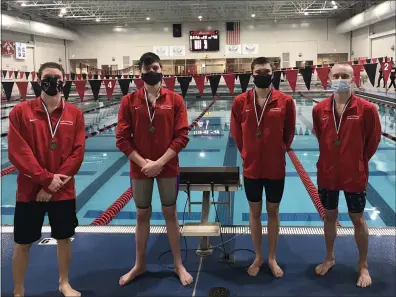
[386, 69]
[236, 76]
[380, 60]
[16, 74]
[307, 76]
[244, 79]
[124, 85]
[361, 62]
[33, 75]
[371, 70]
[130, 76]
[95, 76]
[350, 63]
[331, 64]
[355, 62]
[27, 74]
[4, 73]
[184, 82]
[125, 75]
[7, 87]
[22, 87]
[90, 76]
[137, 75]
[119, 76]
[323, 75]
[214, 81]
[66, 89]
[356, 74]
[80, 87]
[10, 73]
[21, 73]
[95, 87]
[102, 76]
[276, 79]
[200, 82]
[374, 60]
[79, 76]
[109, 84]
[291, 76]
[139, 83]
[230, 82]
[67, 76]
[368, 61]
[72, 76]
[170, 82]
[36, 88]
[313, 68]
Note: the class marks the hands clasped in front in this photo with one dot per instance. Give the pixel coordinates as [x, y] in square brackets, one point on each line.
[57, 182]
[152, 168]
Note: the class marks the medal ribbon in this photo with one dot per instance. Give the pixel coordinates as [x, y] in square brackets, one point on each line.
[337, 127]
[265, 104]
[53, 129]
[151, 117]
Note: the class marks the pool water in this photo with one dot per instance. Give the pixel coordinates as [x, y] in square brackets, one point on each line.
[104, 175]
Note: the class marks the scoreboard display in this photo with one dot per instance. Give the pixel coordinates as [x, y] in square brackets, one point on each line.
[204, 41]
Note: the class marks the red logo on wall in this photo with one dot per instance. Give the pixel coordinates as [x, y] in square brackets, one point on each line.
[7, 47]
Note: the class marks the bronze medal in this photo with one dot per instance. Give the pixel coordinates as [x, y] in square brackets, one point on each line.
[337, 142]
[258, 133]
[151, 129]
[53, 145]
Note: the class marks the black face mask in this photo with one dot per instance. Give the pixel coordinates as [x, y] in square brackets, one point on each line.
[52, 85]
[262, 81]
[152, 78]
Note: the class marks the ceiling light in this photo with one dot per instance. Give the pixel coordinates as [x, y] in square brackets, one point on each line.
[63, 11]
[305, 13]
[335, 7]
[200, 17]
[253, 15]
[148, 18]
[98, 20]
[60, 15]
[23, 4]
[333, 2]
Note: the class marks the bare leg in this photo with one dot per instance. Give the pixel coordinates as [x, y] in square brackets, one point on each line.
[20, 262]
[361, 237]
[64, 258]
[172, 228]
[330, 230]
[273, 232]
[256, 230]
[142, 235]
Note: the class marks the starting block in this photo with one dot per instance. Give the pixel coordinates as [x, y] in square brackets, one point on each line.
[207, 180]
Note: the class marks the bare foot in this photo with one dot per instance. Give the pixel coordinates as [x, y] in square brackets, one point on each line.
[184, 276]
[131, 275]
[68, 291]
[255, 267]
[364, 279]
[275, 269]
[19, 293]
[323, 268]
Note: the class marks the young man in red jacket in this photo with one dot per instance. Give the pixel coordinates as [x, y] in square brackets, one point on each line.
[349, 131]
[152, 129]
[46, 141]
[263, 121]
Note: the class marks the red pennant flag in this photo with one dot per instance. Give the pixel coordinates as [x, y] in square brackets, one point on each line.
[139, 83]
[230, 82]
[291, 76]
[21, 73]
[137, 76]
[10, 73]
[125, 75]
[200, 82]
[356, 74]
[33, 75]
[109, 84]
[323, 74]
[361, 61]
[325, 65]
[22, 87]
[374, 60]
[386, 69]
[80, 87]
[170, 82]
[67, 76]
[79, 76]
[90, 76]
[102, 76]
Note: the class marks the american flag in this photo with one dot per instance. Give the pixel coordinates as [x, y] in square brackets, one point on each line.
[233, 33]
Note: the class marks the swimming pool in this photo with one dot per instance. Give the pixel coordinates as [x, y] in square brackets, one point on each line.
[104, 175]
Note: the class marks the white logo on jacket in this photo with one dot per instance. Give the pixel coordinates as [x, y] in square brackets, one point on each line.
[276, 109]
[353, 117]
[165, 107]
[70, 123]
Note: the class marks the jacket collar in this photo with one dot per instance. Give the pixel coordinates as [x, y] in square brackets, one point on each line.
[141, 93]
[274, 96]
[352, 104]
[38, 105]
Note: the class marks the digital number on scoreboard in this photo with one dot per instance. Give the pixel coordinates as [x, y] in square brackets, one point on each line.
[204, 41]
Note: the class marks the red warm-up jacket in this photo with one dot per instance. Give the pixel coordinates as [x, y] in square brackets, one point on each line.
[345, 167]
[29, 139]
[171, 130]
[263, 157]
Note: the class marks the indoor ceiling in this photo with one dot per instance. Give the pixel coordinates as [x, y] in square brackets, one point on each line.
[128, 12]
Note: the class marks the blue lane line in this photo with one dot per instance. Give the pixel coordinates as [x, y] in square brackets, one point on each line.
[94, 186]
[79, 173]
[302, 217]
[131, 215]
[230, 159]
[112, 150]
[386, 213]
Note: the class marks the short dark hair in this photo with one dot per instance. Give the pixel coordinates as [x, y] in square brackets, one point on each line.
[260, 61]
[148, 59]
[50, 65]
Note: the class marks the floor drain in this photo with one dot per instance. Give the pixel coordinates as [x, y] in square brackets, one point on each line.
[219, 292]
